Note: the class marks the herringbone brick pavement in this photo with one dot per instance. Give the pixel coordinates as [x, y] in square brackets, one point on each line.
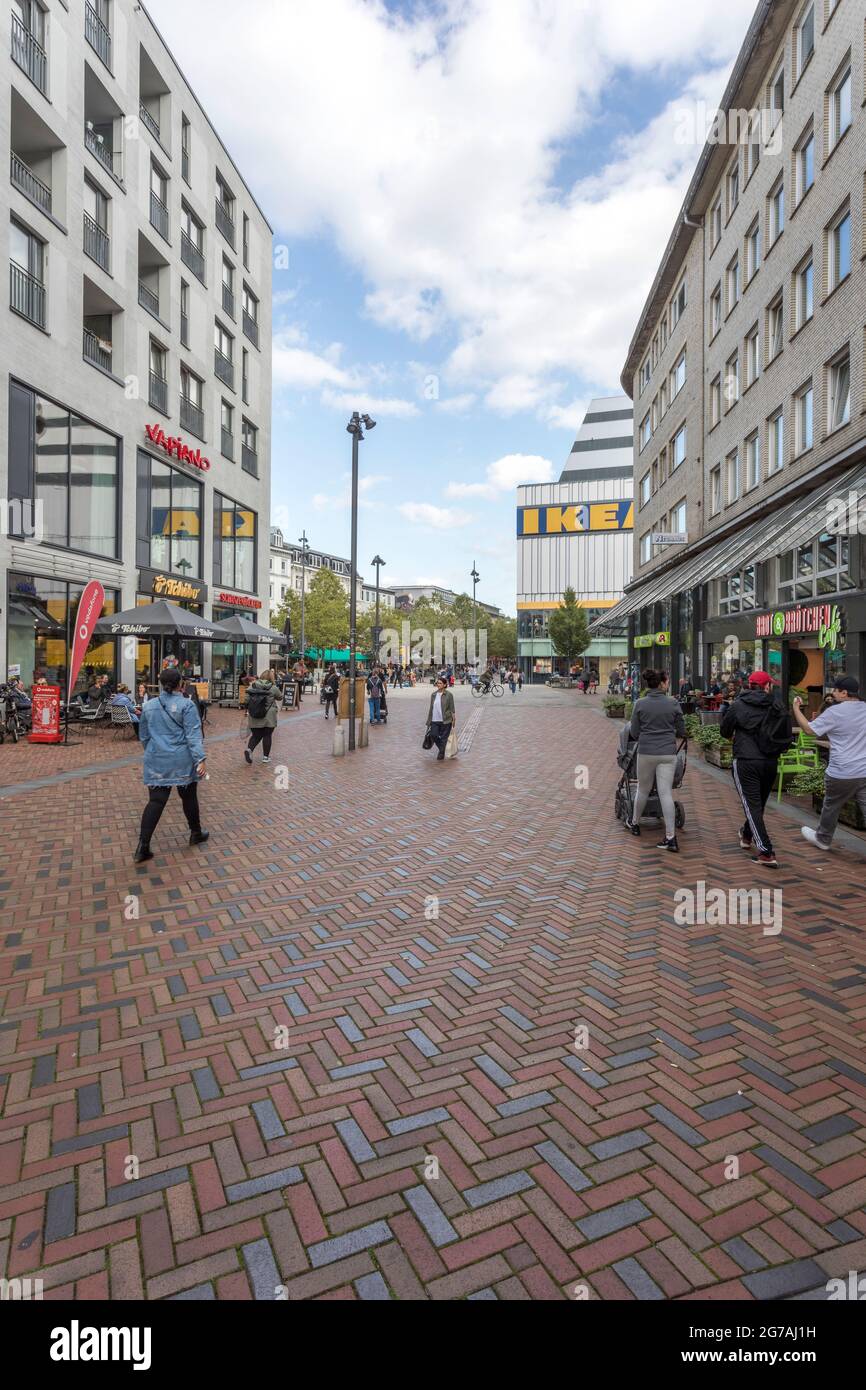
[376, 972]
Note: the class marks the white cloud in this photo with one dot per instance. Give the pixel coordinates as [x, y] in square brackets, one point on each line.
[566, 417]
[439, 518]
[457, 405]
[470, 490]
[358, 399]
[505, 475]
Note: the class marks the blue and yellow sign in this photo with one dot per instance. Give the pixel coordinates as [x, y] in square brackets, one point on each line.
[576, 519]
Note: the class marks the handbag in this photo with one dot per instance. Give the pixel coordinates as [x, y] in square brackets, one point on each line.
[428, 740]
[451, 745]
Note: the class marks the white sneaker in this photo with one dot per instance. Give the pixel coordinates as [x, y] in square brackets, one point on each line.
[809, 834]
[266, 760]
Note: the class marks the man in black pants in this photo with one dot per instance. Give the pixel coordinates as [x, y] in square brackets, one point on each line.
[170, 731]
[330, 689]
[761, 729]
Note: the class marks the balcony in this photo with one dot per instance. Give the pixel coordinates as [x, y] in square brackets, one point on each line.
[97, 351]
[224, 368]
[228, 301]
[149, 121]
[29, 54]
[96, 143]
[191, 417]
[225, 224]
[26, 181]
[249, 461]
[228, 443]
[27, 295]
[159, 393]
[97, 244]
[97, 35]
[251, 329]
[158, 215]
[148, 299]
[192, 256]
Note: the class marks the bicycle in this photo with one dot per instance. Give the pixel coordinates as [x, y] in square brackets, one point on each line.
[493, 689]
[11, 722]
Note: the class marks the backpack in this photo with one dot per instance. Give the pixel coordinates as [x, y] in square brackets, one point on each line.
[257, 703]
[773, 736]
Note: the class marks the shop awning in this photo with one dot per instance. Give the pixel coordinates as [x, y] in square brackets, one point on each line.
[245, 630]
[160, 619]
[793, 524]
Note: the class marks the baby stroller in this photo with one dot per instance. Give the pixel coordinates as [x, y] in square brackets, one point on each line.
[383, 703]
[627, 788]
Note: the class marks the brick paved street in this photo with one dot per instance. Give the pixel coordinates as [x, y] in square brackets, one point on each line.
[412, 1036]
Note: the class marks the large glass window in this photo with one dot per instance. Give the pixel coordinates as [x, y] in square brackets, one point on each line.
[41, 620]
[816, 569]
[737, 591]
[235, 533]
[169, 521]
[76, 480]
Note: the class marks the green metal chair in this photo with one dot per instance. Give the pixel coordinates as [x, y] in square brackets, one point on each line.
[802, 757]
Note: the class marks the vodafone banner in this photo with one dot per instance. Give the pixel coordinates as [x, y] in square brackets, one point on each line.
[89, 611]
[46, 714]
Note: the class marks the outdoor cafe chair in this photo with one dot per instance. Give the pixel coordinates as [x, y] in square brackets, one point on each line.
[120, 718]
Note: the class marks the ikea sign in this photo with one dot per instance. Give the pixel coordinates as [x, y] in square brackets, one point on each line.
[576, 519]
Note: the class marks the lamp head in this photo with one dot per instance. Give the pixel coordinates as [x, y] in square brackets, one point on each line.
[369, 424]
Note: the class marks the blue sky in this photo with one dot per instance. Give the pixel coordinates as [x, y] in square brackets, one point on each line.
[473, 198]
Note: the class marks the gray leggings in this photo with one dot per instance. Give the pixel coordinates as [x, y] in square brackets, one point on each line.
[662, 767]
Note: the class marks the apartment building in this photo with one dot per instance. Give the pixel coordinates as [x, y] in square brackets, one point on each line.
[577, 533]
[136, 346]
[747, 373]
[291, 571]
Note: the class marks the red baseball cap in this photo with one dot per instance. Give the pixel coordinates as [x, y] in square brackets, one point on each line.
[760, 678]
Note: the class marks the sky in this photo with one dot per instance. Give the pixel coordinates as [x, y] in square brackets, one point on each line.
[470, 199]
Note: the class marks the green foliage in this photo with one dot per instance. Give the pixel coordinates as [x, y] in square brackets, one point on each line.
[693, 725]
[569, 632]
[502, 638]
[809, 783]
[613, 702]
[709, 736]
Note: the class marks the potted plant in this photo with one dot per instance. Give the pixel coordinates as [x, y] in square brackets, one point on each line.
[693, 725]
[717, 750]
[614, 706]
[811, 783]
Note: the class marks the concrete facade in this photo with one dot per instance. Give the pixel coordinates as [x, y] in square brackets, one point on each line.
[288, 574]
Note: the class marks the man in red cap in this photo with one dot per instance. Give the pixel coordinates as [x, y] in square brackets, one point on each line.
[760, 727]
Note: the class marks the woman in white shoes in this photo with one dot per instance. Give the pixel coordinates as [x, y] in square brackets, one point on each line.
[657, 723]
[262, 698]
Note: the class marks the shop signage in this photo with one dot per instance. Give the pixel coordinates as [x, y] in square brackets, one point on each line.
[822, 619]
[655, 639]
[45, 714]
[576, 519]
[171, 587]
[238, 600]
[670, 538]
[175, 447]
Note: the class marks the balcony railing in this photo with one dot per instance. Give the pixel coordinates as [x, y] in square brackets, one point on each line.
[228, 301]
[159, 393]
[251, 328]
[191, 417]
[33, 188]
[95, 352]
[97, 146]
[97, 34]
[149, 120]
[249, 461]
[97, 244]
[27, 295]
[192, 256]
[228, 443]
[148, 299]
[158, 215]
[225, 223]
[224, 368]
[29, 54]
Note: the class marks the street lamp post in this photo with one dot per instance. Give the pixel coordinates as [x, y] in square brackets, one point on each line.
[475, 577]
[379, 564]
[355, 428]
[304, 551]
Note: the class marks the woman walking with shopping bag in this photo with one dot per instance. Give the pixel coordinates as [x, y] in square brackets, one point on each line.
[441, 719]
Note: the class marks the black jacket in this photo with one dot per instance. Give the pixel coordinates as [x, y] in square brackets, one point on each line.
[743, 719]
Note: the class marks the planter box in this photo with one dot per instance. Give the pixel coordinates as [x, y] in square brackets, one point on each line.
[615, 712]
[719, 757]
[850, 814]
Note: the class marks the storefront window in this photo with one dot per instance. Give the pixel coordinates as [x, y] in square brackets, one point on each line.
[170, 512]
[737, 592]
[41, 619]
[235, 532]
[231, 660]
[820, 567]
[75, 479]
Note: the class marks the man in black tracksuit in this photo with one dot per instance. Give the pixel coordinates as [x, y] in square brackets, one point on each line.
[755, 770]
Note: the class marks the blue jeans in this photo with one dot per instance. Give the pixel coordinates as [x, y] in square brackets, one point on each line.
[375, 710]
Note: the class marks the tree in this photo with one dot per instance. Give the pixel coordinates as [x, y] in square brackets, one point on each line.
[327, 612]
[289, 608]
[502, 639]
[569, 632]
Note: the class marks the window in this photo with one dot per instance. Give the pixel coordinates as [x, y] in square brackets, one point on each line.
[716, 223]
[645, 488]
[839, 108]
[715, 311]
[732, 469]
[225, 210]
[804, 164]
[250, 454]
[815, 569]
[678, 448]
[228, 291]
[655, 349]
[663, 400]
[245, 376]
[654, 415]
[645, 432]
[753, 356]
[678, 375]
[753, 460]
[223, 342]
[732, 381]
[678, 304]
[715, 489]
[804, 292]
[251, 316]
[803, 419]
[715, 401]
[169, 519]
[678, 518]
[158, 200]
[192, 242]
[776, 96]
[28, 41]
[191, 402]
[805, 37]
[839, 383]
[733, 283]
[776, 204]
[185, 133]
[737, 591]
[753, 249]
[645, 374]
[246, 242]
[158, 393]
[234, 545]
[663, 334]
[838, 250]
[775, 327]
[184, 313]
[646, 548]
[753, 149]
[27, 276]
[227, 429]
[41, 631]
[776, 441]
[734, 186]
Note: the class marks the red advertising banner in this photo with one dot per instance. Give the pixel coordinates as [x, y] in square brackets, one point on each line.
[46, 714]
[89, 610]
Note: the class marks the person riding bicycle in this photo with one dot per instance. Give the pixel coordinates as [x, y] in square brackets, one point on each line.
[487, 680]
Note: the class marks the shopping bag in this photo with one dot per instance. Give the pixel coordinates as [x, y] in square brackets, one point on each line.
[428, 740]
[451, 745]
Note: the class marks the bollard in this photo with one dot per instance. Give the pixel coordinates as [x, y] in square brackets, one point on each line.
[363, 734]
[339, 746]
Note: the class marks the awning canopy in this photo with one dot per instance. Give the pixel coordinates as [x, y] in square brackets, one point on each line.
[161, 619]
[245, 630]
[793, 524]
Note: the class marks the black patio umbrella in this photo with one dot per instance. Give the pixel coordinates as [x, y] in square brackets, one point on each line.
[241, 629]
[161, 619]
